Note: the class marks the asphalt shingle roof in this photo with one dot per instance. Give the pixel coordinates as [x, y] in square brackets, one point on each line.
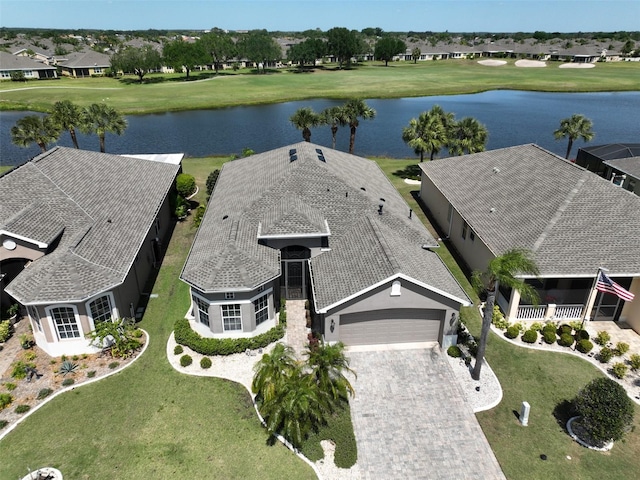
[629, 166]
[304, 196]
[526, 197]
[104, 205]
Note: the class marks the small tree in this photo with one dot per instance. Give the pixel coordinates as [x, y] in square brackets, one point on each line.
[606, 410]
[118, 335]
[211, 181]
[185, 184]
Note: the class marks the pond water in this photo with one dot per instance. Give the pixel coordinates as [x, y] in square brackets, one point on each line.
[512, 118]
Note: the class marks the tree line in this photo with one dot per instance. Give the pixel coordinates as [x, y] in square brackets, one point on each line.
[97, 118]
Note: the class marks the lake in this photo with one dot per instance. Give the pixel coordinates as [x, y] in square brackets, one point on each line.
[512, 118]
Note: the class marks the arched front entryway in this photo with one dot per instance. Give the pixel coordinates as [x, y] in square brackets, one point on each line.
[9, 269]
[295, 272]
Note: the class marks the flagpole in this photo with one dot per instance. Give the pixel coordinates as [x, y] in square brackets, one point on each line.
[591, 293]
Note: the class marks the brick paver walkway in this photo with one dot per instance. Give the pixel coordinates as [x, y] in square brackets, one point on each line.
[412, 420]
[297, 330]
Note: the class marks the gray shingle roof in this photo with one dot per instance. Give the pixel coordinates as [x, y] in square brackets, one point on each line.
[104, 204]
[20, 62]
[573, 220]
[629, 166]
[343, 193]
[86, 59]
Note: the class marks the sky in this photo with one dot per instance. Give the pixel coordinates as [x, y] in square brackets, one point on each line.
[504, 16]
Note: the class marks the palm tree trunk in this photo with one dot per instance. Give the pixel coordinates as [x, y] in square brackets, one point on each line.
[569, 148]
[101, 142]
[352, 139]
[334, 130]
[74, 138]
[306, 134]
[43, 146]
[484, 333]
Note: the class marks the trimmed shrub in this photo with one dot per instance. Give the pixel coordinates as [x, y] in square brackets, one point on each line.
[5, 400]
[3, 423]
[530, 336]
[606, 410]
[186, 336]
[619, 370]
[282, 316]
[549, 326]
[454, 351]
[212, 179]
[186, 360]
[197, 217]
[67, 382]
[22, 408]
[564, 328]
[91, 374]
[512, 332]
[621, 349]
[498, 319]
[536, 327]
[549, 336]
[177, 350]
[19, 369]
[185, 184]
[113, 365]
[566, 340]
[634, 361]
[205, 362]
[10, 386]
[602, 338]
[584, 345]
[44, 393]
[5, 330]
[581, 335]
[605, 355]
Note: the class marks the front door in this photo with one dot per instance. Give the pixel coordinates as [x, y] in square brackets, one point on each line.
[294, 287]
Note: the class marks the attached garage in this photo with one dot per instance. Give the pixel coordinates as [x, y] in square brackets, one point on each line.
[397, 325]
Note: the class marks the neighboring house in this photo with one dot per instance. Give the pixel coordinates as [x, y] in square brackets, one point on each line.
[81, 234]
[83, 64]
[309, 222]
[617, 162]
[32, 69]
[572, 221]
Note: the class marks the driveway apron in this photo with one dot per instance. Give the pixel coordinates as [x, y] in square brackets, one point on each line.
[412, 421]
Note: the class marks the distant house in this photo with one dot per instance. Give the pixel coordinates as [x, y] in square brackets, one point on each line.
[617, 162]
[572, 220]
[31, 69]
[308, 222]
[83, 64]
[81, 232]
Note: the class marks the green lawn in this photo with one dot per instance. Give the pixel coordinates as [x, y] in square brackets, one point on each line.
[163, 93]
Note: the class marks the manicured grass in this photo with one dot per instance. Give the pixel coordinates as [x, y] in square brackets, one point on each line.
[5, 168]
[149, 421]
[370, 80]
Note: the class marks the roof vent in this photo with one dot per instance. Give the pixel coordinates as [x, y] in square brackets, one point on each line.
[496, 170]
[492, 210]
[293, 158]
[293, 155]
[380, 209]
[320, 155]
[363, 189]
[225, 217]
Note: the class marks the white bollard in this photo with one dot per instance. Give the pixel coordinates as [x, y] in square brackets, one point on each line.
[524, 414]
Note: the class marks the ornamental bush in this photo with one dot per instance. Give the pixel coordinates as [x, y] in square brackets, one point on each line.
[512, 332]
[566, 340]
[605, 355]
[5, 330]
[205, 362]
[68, 382]
[621, 349]
[606, 410]
[549, 336]
[454, 351]
[212, 179]
[177, 350]
[602, 338]
[584, 345]
[44, 393]
[530, 336]
[5, 400]
[581, 335]
[619, 370]
[536, 327]
[549, 327]
[498, 319]
[22, 408]
[185, 184]
[564, 328]
[186, 336]
[186, 360]
[634, 361]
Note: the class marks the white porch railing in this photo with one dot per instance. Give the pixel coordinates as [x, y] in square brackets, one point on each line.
[569, 312]
[550, 312]
[529, 312]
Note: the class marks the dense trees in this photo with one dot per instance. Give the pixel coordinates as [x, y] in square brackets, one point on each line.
[574, 127]
[388, 47]
[343, 44]
[219, 46]
[259, 47]
[303, 119]
[307, 52]
[502, 270]
[182, 55]
[136, 60]
[99, 118]
[35, 129]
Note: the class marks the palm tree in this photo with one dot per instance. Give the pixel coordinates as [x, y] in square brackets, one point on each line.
[328, 364]
[272, 371]
[99, 118]
[69, 117]
[501, 271]
[427, 133]
[333, 116]
[574, 127]
[35, 129]
[303, 119]
[468, 136]
[354, 110]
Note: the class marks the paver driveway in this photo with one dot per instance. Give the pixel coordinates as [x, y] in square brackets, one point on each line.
[412, 421]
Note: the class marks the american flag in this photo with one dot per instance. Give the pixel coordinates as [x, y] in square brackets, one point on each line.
[605, 284]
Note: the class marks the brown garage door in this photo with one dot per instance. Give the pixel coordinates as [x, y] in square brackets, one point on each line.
[403, 325]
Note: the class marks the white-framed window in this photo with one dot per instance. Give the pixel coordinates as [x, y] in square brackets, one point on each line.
[100, 309]
[65, 320]
[97, 70]
[5, 74]
[261, 308]
[203, 311]
[231, 317]
[35, 316]
[229, 295]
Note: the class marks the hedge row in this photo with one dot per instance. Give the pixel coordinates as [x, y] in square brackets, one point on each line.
[186, 336]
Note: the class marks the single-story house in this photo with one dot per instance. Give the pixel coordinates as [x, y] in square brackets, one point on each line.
[81, 234]
[83, 64]
[31, 69]
[309, 222]
[617, 162]
[572, 220]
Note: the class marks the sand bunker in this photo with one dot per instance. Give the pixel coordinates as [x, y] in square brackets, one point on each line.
[492, 63]
[577, 65]
[530, 63]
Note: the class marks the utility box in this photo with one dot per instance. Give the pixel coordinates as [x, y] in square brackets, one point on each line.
[524, 413]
